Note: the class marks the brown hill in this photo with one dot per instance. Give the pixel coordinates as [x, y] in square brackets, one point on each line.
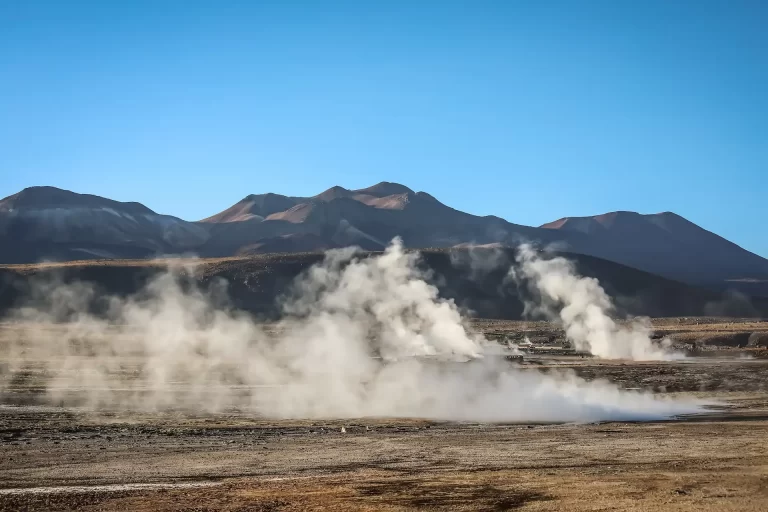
[44, 198]
[253, 207]
[368, 217]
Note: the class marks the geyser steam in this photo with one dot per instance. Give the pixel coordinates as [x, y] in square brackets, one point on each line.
[584, 308]
[343, 349]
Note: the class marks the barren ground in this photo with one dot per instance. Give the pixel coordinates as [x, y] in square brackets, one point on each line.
[56, 458]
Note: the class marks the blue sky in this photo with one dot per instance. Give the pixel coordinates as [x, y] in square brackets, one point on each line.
[530, 110]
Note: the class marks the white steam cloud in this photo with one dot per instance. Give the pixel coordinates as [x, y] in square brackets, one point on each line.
[584, 308]
[344, 348]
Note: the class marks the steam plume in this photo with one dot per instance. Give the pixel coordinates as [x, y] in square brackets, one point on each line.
[343, 349]
[584, 308]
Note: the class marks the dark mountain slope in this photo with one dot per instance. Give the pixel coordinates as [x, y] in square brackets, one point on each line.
[665, 244]
[257, 282]
[48, 223]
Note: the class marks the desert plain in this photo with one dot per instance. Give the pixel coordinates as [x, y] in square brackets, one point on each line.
[63, 457]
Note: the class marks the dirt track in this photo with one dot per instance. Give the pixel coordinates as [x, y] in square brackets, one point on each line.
[56, 458]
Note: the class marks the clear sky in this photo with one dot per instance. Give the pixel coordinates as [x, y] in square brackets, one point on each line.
[529, 110]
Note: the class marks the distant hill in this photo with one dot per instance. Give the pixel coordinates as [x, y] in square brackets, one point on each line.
[46, 223]
[368, 217]
[668, 245]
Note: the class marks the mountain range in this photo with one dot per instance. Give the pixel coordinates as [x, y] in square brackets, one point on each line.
[47, 223]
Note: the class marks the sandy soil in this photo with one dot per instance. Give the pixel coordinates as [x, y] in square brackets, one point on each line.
[57, 458]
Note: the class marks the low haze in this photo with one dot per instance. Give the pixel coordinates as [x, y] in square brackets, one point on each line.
[531, 111]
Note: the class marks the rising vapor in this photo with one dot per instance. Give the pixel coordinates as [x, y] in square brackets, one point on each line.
[359, 336]
[584, 309]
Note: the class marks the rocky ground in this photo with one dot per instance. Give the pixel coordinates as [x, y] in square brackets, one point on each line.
[60, 458]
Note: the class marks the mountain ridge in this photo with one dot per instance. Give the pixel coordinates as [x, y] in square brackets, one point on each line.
[631, 233]
[50, 197]
[40, 223]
